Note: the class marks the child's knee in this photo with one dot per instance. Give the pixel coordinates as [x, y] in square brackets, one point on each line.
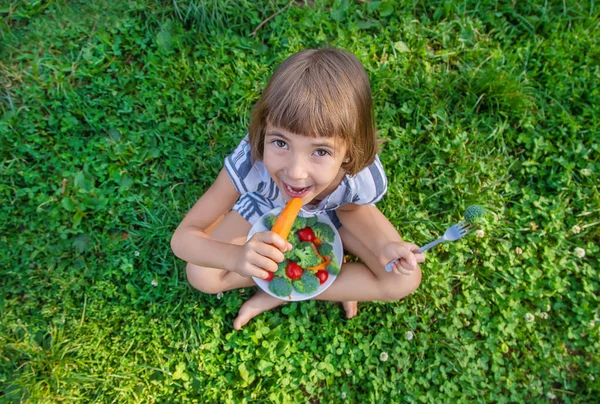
[402, 285]
[203, 279]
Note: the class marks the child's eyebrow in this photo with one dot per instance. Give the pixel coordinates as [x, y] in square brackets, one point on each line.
[323, 143]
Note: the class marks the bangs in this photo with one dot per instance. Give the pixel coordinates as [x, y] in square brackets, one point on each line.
[313, 105]
[319, 93]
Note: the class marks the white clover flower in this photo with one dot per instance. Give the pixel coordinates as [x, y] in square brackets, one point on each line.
[592, 324]
[576, 229]
[219, 295]
[480, 233]
[344, 395]
[550, 395]
[519, 250]
[592, 377]
[548, 308]
[154, 282]
[348, 371]
[409, 335]
[529, 317]
[586, 171]
[579, 252]
[544, 315]
[383, 357]
[137, 253]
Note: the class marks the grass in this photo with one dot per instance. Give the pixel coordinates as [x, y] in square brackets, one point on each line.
[116, 116]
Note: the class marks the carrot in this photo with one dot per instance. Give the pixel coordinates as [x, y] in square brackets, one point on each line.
[322, 266]
[316, 250]
[286, 218]
[325, 261]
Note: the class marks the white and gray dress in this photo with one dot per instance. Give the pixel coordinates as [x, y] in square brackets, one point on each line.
[259, 193]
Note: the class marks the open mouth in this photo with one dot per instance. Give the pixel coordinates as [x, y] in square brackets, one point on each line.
[295, 192]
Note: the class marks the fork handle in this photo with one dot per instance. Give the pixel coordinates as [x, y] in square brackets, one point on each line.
[426, 247]
[430, 245]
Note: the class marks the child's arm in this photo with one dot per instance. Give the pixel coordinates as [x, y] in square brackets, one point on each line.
[374, 230]
[191, 243]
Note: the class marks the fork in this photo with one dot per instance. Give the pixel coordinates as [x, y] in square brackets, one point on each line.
[453, 233]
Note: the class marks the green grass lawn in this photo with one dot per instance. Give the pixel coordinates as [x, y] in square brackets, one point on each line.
[116, 117]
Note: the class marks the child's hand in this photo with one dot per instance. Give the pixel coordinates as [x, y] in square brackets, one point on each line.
[261, 254]
[408, 260]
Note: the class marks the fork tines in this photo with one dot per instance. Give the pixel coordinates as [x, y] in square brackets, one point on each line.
[464, 228]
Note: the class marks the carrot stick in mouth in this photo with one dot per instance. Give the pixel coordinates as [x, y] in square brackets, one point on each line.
[284, 222]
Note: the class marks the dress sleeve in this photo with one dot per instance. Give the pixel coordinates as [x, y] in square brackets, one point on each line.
[243, 173]
[370, 184]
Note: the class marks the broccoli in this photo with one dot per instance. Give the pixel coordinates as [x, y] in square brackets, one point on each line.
[281, 269]
[333, 268]
[305, 255]
[269, 221]
[281, 287]
[324, 232]
[474, 214]
[311, 221]
[294, 241]
[308, 283]
[299, 223]
[293, 238]
[326, 250]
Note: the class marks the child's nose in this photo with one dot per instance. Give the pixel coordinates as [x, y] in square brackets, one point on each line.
[297, 169]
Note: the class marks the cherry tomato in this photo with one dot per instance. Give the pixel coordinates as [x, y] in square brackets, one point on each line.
[270, 276]
[306, 234]
[322, 275]
[293, 270]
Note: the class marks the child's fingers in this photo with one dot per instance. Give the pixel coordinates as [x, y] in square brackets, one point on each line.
[275, 239]
[264, 263]
[258, 272]
[407, 259]
[420, 257]
[398, 267]
[250, 269]
[262, 274]
[271, 245]
[268, 251]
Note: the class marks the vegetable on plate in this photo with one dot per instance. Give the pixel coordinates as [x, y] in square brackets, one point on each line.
[311, 261]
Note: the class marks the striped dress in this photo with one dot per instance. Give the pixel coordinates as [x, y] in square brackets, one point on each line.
[259, 194]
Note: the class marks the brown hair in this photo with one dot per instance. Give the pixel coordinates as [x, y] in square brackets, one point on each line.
[319, 92]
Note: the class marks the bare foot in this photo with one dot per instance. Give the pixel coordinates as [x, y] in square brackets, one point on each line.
[257, 304]
[351, 308]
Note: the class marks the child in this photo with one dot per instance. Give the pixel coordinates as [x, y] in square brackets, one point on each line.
[312, 136]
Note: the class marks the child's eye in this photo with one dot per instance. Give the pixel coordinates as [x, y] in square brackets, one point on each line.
[322, 152]
[279, 143]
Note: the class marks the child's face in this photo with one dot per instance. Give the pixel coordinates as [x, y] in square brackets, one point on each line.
[301, 166]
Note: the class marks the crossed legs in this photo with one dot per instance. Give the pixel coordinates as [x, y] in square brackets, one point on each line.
[358, 281]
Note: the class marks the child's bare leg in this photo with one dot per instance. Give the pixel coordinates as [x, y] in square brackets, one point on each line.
[356, 282]
[351, 307]
[232, 229]
[368, 281]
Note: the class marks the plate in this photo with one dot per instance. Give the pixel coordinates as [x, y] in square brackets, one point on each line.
[295, 296]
